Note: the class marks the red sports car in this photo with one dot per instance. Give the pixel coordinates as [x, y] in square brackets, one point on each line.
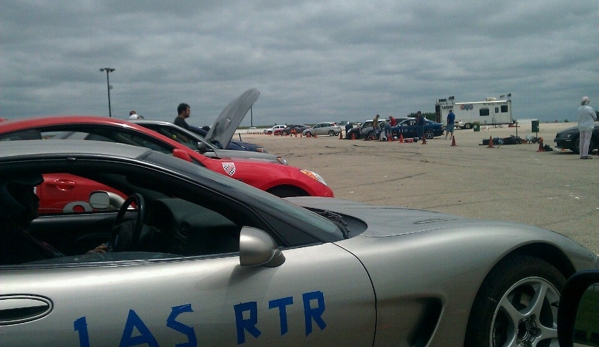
[280, 180]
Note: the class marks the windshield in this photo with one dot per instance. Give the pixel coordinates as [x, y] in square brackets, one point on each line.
[185, 138]
[309, 222]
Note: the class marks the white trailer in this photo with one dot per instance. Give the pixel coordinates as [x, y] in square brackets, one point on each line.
[488, 112]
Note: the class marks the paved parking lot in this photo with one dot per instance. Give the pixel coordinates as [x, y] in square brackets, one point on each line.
[555, 190]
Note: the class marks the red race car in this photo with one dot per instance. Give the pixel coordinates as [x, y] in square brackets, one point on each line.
[280, 180]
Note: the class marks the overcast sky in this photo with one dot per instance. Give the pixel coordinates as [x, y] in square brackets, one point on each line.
[311, 60]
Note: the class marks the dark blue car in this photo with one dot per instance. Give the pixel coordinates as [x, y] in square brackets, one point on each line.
[409, 129]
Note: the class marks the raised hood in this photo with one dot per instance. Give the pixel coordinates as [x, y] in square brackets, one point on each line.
[223, 129]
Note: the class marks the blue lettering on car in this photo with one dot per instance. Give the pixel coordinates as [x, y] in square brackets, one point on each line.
[282, 305]
[312, 312]
[180, 327]
[145, 337]
[246, 319]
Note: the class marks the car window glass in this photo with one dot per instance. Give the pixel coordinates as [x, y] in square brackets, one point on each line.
[148, 142]
[62, 193]
[172, 227]
[178, 136]
[31, 134]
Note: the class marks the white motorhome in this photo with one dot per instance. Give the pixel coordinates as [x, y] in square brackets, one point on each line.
[488, 112]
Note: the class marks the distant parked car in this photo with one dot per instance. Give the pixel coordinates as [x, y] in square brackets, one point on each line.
[364, 130]
[323, 128]
[409, 129]
[570, 139]
[295, 128]
[271, 131]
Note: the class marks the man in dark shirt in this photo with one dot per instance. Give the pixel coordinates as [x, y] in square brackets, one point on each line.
[183, 112]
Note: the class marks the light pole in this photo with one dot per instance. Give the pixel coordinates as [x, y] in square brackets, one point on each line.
[108, 70]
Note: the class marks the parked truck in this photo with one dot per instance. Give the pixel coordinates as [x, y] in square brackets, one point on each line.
[488, 112]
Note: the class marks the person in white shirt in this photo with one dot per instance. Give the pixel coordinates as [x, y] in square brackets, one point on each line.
[134, 115]
[586, 125]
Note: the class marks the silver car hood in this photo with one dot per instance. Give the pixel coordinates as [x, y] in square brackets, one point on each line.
[388, 221]
[383, 221]
[224, 127]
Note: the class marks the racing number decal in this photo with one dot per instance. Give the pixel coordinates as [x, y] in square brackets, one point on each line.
[145, 336]
[251, 312]
[246, 320]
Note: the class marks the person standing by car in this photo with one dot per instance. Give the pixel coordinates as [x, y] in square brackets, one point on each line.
[586, 124]
[183, 112]
[420, 122]
[134, 115]
[450, 124]
[392, 121]
[375, 124]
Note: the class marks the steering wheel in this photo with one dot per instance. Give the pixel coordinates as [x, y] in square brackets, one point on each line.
[136, 198]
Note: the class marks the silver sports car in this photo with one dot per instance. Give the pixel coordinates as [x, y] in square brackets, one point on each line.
[194, 258]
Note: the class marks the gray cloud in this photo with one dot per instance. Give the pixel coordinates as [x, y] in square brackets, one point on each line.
[311, 60]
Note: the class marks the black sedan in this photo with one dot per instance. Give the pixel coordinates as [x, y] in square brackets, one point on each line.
[570, 139]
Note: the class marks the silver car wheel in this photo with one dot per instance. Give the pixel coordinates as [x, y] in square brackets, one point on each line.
[526, 315]
[516, 305]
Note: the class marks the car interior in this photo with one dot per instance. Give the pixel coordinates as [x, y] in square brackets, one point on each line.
[148, 224]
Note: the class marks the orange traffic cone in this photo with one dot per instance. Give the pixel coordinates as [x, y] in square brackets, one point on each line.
[490, 142]
[401, 138]
[353, 136]
[453, 141]
[424, 140]
[541, 149]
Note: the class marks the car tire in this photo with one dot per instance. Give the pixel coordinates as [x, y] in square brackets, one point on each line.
[429, 134]
[284, 133]
[576, 145]
[308, 134]
[369, 136]
[467, 126]
[512, 286]
[332, 133]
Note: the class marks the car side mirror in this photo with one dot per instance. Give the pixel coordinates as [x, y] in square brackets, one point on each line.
[102, 200]
[578, 313]
[181, 154]
[258, 248]
[201, 147]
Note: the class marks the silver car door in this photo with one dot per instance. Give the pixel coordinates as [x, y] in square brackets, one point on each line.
[320, 296]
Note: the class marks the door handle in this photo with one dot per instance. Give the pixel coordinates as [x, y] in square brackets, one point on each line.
[16, 309]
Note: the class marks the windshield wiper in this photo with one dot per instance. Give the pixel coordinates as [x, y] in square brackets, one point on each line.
[338, 220]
